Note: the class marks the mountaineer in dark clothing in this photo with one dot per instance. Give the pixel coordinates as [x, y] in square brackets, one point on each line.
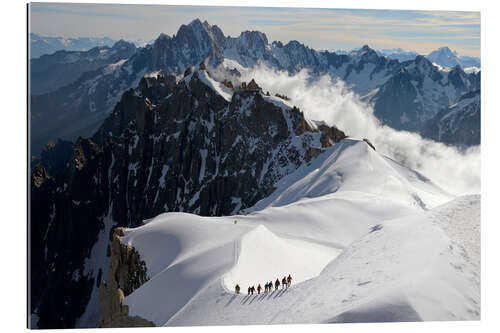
[289, 280]
[249, 290]
[276, 284]
[237, 288]
[259, 288]
[283, 283]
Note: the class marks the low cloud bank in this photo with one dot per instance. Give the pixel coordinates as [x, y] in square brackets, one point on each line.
[331, 101]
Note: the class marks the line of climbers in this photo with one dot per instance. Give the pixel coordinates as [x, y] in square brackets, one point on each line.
[268, 287]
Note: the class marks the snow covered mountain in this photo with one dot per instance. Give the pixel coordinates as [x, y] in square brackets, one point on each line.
[366, 239]
[458, 124]
[40, 45]
[80, 107]
[398, 54]
[197, 145]
[418, 92]
[443, 57]
[448, 58]
[50, 72]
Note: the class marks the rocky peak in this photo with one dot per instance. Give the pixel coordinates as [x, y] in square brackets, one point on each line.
[444, 51]
[368, 54]
[251, 86]
[444, 56]
[162, 37]
[123, 45]
[85, 150]
[126, 273]
[39, 175]
[278, 44]
[423, 67]
[254, 39]
[295, 47]
[192, 43]
[156, 88]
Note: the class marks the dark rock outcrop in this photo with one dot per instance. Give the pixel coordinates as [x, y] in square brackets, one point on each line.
[126, 273]
[66, 214]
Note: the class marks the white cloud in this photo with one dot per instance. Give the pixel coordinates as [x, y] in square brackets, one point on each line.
[322, 99]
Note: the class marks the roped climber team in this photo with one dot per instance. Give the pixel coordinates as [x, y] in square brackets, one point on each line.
[268, 287]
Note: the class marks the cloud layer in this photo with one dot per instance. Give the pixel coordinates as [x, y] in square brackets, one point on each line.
[323, 99]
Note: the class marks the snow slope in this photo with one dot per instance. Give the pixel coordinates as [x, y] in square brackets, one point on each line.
[406, 269]
[354, 230]
[351, 168]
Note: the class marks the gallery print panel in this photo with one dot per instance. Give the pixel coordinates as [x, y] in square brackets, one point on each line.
[193, 166]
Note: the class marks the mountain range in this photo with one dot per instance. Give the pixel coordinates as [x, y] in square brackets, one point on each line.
[172, 128]
[405, 95]
[443, 57]
[40, 45]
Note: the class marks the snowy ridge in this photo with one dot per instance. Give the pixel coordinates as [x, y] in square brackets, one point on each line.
[384, 235]
[407, 269]
[347, 167]
[218, 87]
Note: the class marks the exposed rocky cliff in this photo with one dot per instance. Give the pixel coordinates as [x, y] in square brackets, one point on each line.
[126, 273]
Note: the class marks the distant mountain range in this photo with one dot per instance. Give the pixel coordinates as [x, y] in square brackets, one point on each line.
[443, 57]
[405, 94]
[42, 45]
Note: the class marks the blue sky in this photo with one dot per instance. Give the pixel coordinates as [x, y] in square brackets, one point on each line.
[421, 31]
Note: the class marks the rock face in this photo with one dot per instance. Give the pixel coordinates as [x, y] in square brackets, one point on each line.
[458, 125]
[195, 146]
[126, 273]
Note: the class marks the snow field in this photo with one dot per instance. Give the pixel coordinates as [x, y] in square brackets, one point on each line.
[263, 257]
[352, 228]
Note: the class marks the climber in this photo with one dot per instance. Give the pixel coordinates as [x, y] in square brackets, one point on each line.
[289, 280]
[283, 283]
[259, 288]
[276, 284]
[237, 288]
